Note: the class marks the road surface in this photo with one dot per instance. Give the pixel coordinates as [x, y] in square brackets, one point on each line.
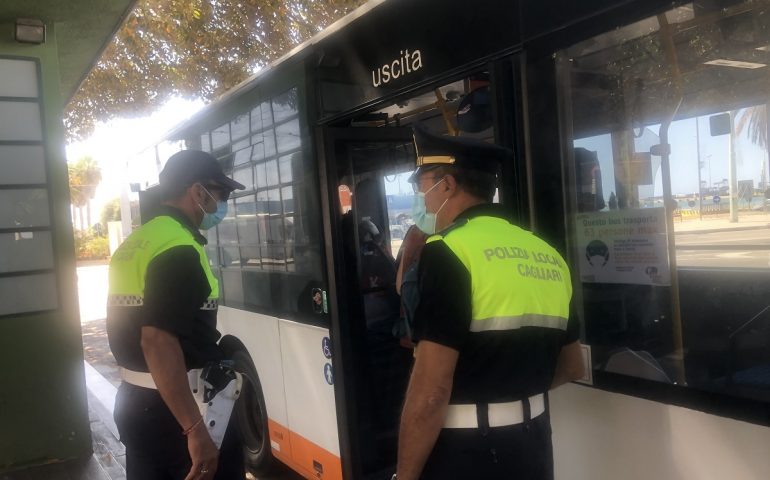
[724, 249]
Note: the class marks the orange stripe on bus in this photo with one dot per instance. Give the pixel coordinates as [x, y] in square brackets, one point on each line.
[279, 435]
[303, 456]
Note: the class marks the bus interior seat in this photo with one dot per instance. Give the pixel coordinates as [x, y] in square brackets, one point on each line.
[638, 364]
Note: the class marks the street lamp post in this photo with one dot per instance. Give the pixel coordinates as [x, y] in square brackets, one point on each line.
[732, 171]
[697, 147]
[708, 157]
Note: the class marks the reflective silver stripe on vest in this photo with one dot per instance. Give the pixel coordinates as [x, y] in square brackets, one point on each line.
[514, 323]
[210, 305]
[125, 301]
[137, 301]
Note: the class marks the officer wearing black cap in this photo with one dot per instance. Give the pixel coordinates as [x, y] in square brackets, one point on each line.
[161, 323]
[493, 326]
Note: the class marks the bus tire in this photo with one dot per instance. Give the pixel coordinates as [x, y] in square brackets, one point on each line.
[251, 414]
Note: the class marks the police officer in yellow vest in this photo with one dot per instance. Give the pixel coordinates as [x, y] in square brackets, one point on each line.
[493, 326]
[161, 323]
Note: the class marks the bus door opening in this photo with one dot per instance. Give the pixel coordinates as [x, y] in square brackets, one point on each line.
[374, 201]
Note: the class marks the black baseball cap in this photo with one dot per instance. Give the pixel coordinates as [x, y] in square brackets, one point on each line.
[462, 152]
[187, 167]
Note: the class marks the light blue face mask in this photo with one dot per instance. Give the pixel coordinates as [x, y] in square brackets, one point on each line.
[211, 220]
[425, 220]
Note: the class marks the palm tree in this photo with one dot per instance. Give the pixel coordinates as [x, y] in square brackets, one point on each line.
[755, 119]
[84, 176]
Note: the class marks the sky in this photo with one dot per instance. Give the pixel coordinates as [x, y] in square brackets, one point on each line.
[113, 143]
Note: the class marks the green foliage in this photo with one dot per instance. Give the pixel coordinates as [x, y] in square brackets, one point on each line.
[192, 49]
[90, 246]
[110, 213]
[84, 176]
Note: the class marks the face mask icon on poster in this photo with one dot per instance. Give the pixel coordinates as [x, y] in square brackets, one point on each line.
[597, 253]
[425, 220]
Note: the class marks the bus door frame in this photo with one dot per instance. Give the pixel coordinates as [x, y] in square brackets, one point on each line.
[329, 140]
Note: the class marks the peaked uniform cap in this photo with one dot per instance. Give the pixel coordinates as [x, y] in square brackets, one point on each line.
[461, 152]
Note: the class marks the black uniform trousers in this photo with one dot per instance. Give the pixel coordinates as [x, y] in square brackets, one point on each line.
[155, 446]
[522, 451]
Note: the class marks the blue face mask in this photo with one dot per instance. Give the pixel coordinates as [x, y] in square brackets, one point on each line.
[425, 220]
[211, 220]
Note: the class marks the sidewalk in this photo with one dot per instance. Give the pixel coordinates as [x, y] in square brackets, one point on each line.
[107, 462]
[718, 223]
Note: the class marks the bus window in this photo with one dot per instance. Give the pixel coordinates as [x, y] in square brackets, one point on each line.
[669, 170]
[400, 198]
[268, 248]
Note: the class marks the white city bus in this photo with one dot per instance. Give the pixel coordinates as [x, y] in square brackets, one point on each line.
[608, 107]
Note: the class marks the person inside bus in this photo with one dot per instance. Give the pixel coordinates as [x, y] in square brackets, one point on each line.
[493, 326]
[161, 323]
[406, 282]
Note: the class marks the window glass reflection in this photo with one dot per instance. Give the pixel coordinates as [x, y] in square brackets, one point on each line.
[287, 194]
[244, 176]
[285, 105]
[256, 119]
[220, 137]
[271, 173]
[239, 127]
[264, 145]
[274, 202]
[285, 165]
[266, 115]
[227, 232]
[260, 175]
[242, 157]
[669, 216]
[288, 135]
[270, 255]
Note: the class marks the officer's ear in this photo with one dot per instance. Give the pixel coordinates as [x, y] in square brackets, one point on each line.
[450, 184]
[198, 193]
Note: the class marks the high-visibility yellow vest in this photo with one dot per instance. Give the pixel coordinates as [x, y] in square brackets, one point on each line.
[128, 266]
[517, 280]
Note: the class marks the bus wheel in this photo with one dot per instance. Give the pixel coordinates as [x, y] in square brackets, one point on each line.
[251, 414]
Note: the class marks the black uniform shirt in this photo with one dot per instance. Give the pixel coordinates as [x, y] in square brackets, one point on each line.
[175, 289]
[493, 366]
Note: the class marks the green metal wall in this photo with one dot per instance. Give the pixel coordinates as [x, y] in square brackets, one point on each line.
[43, 406]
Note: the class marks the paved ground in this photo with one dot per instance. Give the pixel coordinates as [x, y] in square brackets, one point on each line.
[107, 462]
[97, 352]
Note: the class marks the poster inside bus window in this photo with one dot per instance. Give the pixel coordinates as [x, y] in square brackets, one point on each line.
[623, 246]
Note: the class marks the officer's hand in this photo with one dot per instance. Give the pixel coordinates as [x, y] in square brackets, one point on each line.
[204, 454]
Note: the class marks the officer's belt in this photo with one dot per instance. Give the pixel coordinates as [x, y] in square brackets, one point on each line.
[139, 379]
[144, 379]
[497, 414]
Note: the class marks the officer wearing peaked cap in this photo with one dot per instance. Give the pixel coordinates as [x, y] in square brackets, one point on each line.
[161, 323]
[493, 326]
